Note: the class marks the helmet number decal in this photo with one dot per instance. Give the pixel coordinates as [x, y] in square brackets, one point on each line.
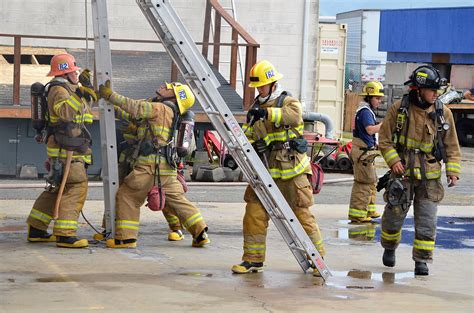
[421, 77]
[182, 95]
[270, 73]
[63, 66]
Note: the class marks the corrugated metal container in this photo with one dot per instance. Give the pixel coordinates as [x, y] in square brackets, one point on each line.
[462, 76]
[435, 35]
[330, 73]
[364, 60]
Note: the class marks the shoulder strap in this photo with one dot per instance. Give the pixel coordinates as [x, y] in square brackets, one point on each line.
[281, 98]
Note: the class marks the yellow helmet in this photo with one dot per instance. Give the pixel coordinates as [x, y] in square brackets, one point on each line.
[184, 96]
[373, 88]
[263, 73]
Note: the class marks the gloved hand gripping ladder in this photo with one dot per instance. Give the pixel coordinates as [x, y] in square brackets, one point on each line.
[194, 68]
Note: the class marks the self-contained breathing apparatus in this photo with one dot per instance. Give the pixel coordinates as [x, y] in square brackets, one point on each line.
[69, 136]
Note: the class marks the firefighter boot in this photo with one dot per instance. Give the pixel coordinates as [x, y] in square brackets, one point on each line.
[202, 239]
[247, 267]
[361, 220]
[119, 244]
[38, 235]
[388, 258]
[71, 242]
[176, 235]
[374, 214]
[99, 236]
[421, 269]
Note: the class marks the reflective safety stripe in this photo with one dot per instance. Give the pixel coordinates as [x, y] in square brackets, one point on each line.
[357, 213]
[371, 208]
[125, 224]
[318, 244]
[54, 153]
[257, 248]
[283, 135]
[291, 172]
[275, 115]
[423, 245]
[75, 104]
[83, 118]
[390, 155]
[193, 220]
[172, 219]
[65, 224]
[129, 136]
[453, 167]
[411, 143]
[429, 175]
[43, 217]
[156, 130]
[391, 237]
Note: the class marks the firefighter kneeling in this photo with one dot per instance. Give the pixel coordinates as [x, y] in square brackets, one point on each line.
[154, 165]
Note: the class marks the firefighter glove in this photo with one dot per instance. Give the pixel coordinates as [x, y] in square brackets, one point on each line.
[256, 114]
[260, 146]
[105, 91]
[87, 93]
[85, 78]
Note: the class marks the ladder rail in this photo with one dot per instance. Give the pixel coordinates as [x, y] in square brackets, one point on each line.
[103, 66]
[202, 80]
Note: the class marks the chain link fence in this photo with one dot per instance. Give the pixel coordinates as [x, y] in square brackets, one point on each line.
[357, 74]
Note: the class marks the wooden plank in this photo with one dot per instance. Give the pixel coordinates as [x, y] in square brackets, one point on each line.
[16, 70]
[233, 59]
[217, 40]
[24, 112]
[461, 106]
[351, 101]
[207, 27]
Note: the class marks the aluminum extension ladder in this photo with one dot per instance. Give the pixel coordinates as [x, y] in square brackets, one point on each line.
[196, 71]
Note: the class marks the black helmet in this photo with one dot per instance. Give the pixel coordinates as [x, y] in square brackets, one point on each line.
[426, 76]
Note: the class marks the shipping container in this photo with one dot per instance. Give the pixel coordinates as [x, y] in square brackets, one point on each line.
[364, 60]
[331, 58]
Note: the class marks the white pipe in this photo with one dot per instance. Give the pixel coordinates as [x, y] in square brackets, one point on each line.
[304, 57]
[320, 117]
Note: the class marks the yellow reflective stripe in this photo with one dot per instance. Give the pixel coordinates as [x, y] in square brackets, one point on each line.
[172, 219]
[371, 208]
[192, 220]
[84, 118]
[258, 248]
[54, 153]
[318, 244]
[424, 244]
[160, 130]
[282, 135]
[453, 167]
[129, 136]
[275, 115]
[357, 213]
[151, 159]
[167, 172]
[411, 143]
[43, 217]
[391, 237]
[390, 155]
[65, 224]
[429, 175]
[291, 172]
[126, 224]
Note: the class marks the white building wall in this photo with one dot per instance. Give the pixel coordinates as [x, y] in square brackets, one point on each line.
[276, 24]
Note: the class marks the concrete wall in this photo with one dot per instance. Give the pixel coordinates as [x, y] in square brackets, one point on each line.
[276, 24]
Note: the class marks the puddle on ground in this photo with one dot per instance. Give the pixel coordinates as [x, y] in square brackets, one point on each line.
[365, 280]
[55, 279]
[452, 232]
[145, 255]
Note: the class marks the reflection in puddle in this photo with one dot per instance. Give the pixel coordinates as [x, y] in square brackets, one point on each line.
[452, 232]
[340, 281]
[196, 274]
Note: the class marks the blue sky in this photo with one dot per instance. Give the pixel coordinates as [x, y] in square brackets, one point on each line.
[332, 7]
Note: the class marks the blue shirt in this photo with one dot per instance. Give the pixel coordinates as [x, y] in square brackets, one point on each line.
[364, 118]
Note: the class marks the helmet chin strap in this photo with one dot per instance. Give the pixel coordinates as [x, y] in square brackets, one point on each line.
[422, 103]
[269, 94]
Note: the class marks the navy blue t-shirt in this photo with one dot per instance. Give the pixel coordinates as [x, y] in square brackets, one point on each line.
[363, 119]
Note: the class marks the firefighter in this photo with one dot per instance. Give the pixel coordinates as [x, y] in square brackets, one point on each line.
[273, 127]
[127, 139]
[416, 135]
[68, 114]
[363, 153]
[155, 132]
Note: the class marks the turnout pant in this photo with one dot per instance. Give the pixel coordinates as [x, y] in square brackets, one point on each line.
[425, 205]
[72, 202]
[364, 191]
[133, 192]
[297, 192]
